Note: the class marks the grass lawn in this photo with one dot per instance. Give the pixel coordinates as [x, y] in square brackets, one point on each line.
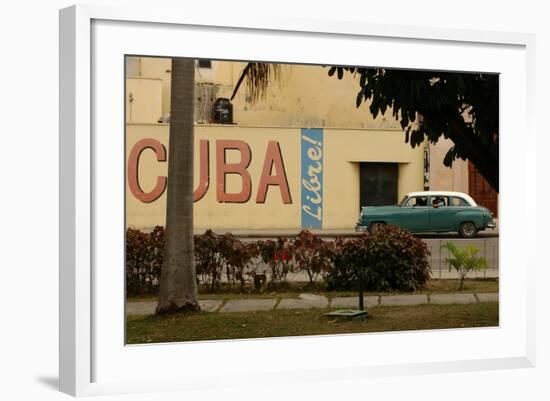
[293, 289]
[278, 323]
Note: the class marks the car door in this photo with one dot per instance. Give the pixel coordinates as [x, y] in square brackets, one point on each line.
[457, 205]
[415, 214]
[441, 214]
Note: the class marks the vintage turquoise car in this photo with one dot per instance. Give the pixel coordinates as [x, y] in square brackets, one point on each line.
[430, 211]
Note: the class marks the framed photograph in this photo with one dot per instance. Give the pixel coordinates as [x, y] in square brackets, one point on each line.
[344, 196]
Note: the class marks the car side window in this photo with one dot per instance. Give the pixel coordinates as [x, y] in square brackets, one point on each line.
[416, 201]
[455, 201]
[440, 201]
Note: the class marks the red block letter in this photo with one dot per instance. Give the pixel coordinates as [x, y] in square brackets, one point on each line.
[133, 169]
[223, 168]
[273, 158]
[204, 172]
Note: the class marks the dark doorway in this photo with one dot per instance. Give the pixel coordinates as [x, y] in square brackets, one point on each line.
[377, 184]
[482, 192]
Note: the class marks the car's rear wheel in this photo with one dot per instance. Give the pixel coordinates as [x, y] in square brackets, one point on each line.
[467, 229]
[375, 227]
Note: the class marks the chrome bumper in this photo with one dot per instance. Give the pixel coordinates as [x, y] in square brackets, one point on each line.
[360, 229]
[491, 225]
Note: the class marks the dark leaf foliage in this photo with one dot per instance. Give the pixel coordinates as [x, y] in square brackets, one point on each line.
[390, 259]
[463, 107]
[257, 77]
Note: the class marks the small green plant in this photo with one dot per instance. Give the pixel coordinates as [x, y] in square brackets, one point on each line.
[464, 260]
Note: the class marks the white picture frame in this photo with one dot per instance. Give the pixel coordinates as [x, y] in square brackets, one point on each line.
[93, 358]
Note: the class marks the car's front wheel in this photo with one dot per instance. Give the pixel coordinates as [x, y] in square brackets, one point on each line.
[467, 230]
[375, 227]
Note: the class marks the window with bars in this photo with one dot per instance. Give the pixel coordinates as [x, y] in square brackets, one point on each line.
[203, 63]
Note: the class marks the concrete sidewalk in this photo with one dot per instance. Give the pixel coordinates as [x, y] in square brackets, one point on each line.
[306, 301]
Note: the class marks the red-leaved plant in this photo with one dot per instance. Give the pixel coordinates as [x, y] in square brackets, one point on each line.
[143, 260]
[312, 255]
[278, 256]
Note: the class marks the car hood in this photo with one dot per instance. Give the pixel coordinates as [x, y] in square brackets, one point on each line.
[373, 210]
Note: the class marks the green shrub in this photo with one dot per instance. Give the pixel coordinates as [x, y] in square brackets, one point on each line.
[342, 274]
[390, 259]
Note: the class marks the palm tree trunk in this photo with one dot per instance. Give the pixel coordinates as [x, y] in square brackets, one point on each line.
[178, 281]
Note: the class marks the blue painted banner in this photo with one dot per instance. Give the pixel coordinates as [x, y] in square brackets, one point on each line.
[312, 177]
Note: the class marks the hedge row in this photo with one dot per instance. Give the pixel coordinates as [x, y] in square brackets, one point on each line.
[390, 259]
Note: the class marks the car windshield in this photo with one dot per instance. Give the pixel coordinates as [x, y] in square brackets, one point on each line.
[403, 200]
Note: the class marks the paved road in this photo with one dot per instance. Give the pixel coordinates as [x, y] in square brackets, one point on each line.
[332, 233]
[481, 234]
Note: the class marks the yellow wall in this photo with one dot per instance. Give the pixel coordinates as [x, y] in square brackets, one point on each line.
[303, 96]
[143, 100]
[443, 178]
[306, 96]
[343, 149]
[158, 68]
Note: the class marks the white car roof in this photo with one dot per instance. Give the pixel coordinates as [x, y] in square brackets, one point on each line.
[467, 197]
